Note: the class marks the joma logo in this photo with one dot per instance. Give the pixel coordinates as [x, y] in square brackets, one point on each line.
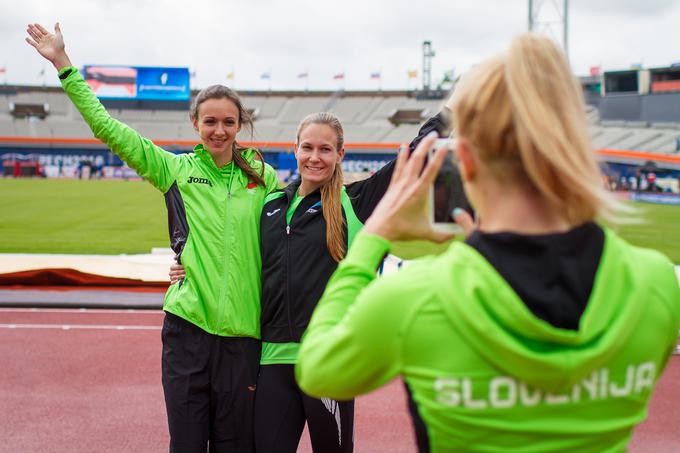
[193, 180]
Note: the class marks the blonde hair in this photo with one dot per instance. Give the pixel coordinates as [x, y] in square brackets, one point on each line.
[330, 191]
[523, 113]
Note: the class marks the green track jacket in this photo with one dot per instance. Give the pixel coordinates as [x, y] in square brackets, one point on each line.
[486, 374]
[213, 216]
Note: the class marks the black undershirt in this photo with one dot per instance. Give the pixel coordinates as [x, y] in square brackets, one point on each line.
[553, 274]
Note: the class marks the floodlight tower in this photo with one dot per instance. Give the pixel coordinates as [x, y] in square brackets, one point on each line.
[428, 53]
[551, 17]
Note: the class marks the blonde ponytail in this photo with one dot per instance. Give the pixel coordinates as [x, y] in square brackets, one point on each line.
[524, 114]
[332, 212]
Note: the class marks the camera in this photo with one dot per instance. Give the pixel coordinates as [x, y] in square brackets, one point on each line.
[447, 192]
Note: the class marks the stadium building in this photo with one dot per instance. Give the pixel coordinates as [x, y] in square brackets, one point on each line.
[634, 119]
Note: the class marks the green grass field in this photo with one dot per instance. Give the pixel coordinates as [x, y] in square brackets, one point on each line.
[112, 217]
[85, 217]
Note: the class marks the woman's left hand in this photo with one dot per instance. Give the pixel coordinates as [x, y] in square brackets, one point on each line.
[176, 272]
[402, 214]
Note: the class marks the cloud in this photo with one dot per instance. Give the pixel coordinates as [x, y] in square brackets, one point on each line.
[627, 8]
[214, 37]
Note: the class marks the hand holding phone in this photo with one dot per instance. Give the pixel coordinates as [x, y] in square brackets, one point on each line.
[447, 192]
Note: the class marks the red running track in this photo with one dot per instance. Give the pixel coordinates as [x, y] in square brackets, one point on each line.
[89, 381]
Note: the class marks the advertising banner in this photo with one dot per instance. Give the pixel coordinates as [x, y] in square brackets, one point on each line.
[138, 82]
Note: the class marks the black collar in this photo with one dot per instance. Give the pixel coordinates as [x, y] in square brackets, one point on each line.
[292, 188]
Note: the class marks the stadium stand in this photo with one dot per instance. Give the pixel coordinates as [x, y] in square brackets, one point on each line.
[666, 142]
[375, 122]
[356, 110]
[639, 139]
[366, 117]
[6, 127]
[4, 104]
[59, 104]
[267, 107]
[71, 129]
[295, 109]
[186, 131]
[401, 133]
[610, 136]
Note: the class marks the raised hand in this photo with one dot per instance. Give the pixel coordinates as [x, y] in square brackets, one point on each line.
[49, 45]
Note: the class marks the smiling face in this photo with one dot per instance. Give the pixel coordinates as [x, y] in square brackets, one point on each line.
[317, 155]
[217, 123]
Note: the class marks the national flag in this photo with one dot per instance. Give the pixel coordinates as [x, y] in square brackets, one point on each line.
[412, 74]
[230, 75]
[375, 75]
[303, 75]
[3, 69]
[595, 70]
[339, 76]
[265, 76]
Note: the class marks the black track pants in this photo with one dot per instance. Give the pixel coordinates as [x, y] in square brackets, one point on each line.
[209, 385]
[281, 409]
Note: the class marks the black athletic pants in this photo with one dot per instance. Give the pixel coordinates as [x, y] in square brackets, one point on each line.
[209, 385]
[281, 409]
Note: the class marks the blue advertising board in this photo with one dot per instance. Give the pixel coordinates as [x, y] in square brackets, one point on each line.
[138, 82]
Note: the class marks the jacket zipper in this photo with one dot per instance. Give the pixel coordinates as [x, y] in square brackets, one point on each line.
[290, 317]
[225, 282]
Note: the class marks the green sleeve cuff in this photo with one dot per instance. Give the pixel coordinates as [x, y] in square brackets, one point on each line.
[368, 250]
[66, 72]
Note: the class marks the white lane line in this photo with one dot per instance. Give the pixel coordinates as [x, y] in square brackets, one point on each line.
[77, 326]
[77, 310]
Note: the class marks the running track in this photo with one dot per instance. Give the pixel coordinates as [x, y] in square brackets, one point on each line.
[89, 381]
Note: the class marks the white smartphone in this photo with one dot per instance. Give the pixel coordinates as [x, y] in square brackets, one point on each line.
[447, 192]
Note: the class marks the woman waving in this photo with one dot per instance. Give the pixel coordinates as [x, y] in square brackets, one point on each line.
[214, 196]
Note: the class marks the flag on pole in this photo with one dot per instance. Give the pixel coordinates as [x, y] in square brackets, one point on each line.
[339, 76]
[412, 74]
[230, 75]
[3, 69]
[265, 76]
[303, 75]
[595, 70]
[375, 75]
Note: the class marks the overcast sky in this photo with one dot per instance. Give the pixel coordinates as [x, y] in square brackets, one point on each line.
[323, 38]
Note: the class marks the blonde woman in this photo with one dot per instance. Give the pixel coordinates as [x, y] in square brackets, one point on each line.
[543, 331]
